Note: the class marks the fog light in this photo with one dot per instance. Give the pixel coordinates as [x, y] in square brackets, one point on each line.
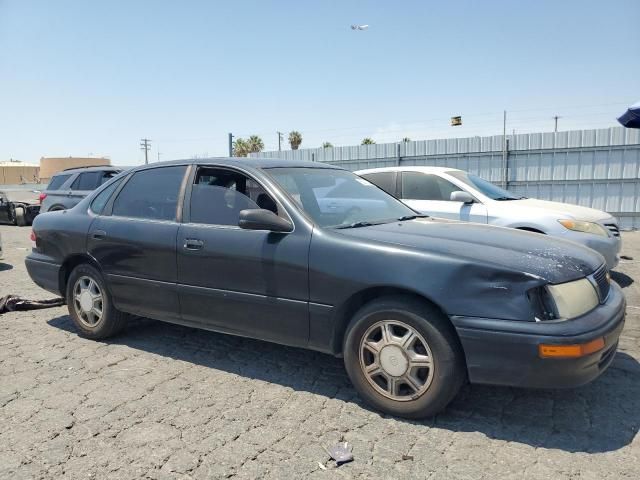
[571, 351]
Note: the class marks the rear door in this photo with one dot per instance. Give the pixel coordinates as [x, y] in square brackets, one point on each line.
[387, 181]
[431, 194]
[134, 241]
[246, 282]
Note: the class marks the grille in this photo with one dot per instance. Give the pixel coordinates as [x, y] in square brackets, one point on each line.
[602, 282]
[613, 228]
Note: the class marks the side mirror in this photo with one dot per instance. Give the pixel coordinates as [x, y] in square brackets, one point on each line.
[260, 219]
[461, 196]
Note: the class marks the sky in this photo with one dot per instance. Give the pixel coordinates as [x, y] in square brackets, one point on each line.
[85, 78]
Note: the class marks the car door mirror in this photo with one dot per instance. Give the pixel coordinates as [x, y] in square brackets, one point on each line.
[461, 196]
[260, 219]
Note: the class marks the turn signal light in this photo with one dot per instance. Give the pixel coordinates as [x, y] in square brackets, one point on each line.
[41, 197]
[571, 351]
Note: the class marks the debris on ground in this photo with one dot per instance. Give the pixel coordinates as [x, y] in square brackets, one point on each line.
[626, 257]
[14, 303]
[407, 457]
[341, 453]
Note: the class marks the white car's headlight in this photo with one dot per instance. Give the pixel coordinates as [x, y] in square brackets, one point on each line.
[584, 227]
[573, 299]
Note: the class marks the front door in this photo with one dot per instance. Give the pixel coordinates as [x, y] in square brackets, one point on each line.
[246, 282]
[431, 194]
[134, 241]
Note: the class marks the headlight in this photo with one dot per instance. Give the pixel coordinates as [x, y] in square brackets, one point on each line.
[563, 301]
[584, 227]
[573, 299]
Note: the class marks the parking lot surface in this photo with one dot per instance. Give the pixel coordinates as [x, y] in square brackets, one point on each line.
[164, 401]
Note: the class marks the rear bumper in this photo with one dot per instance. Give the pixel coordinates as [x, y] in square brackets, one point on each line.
[45, 274]
[501, 352]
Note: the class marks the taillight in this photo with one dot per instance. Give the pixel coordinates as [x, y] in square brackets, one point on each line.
[34, 239]
[41, 197]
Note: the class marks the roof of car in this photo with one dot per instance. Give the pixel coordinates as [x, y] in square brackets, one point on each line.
[409, 169]
[108, 168]
[262, 163]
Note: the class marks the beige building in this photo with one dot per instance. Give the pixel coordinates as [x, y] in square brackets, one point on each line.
[52, 165]
[15, 172]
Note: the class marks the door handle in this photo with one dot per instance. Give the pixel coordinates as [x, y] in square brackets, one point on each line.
[193, 244]
[99, 234]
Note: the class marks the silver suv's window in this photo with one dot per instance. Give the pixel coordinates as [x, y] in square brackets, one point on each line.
[151, 194]
[92, 180]
[57, 181]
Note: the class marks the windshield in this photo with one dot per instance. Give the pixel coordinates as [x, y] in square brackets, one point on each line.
[340, 199]
[487, 188]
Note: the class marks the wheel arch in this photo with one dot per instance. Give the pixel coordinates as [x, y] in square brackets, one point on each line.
[69, 264]
[530, 229]
[345, 312]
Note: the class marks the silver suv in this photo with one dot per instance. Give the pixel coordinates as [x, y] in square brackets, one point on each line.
[68, 187]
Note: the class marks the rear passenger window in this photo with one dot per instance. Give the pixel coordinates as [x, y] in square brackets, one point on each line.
[421, 186]
[385, 180]
[151, 194]
[87, 181]
[98, 203]
[57, 181]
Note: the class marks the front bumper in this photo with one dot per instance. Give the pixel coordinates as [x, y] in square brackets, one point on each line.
[502, 352]
[45, 274]
[608, 247]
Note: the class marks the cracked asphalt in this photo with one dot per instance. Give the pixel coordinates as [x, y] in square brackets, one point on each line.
[164, 401]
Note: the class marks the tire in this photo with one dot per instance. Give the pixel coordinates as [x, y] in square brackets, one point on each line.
[438, 384]
[110, 322]
[18, 214]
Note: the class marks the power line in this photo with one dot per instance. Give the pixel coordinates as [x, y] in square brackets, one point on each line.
[145, 145]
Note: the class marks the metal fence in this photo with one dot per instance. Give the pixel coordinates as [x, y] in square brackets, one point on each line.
[595, 168]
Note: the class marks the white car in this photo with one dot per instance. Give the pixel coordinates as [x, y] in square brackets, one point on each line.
[458, 195]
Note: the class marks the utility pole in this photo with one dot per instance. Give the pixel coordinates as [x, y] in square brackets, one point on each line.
[159, 155]
[231, 144]
[555, 128]
[504, 150]
[145, 144]
[280, 134]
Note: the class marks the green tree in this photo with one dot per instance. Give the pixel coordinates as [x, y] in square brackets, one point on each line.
[368, 141]
[240, 147]
[295, 139]
[327, 145]
[406, 139]
[255, 144]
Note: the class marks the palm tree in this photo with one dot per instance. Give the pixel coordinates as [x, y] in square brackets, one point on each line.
[368, 141]
[240, 147]
[406, 139]
[255, 144]
[327, 145]
[295, 139]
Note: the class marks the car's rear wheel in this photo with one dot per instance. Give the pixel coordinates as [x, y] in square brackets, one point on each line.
[90, 305]
[18, 215]
[403, 357]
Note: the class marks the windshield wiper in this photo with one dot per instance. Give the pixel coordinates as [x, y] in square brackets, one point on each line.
[500, 199]
[411, 217]
[355, 225]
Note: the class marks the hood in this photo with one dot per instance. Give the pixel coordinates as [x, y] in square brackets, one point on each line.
[562, 209]
[549, 258]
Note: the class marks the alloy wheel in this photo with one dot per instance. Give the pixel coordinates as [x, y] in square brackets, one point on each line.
[396, 360]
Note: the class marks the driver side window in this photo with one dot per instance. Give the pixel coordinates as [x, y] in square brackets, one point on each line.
[421, 186]
[219, 195]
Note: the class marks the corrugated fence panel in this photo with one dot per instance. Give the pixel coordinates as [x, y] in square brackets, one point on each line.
[595, 168]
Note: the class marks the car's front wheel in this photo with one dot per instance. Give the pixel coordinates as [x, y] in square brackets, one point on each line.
[90, 305]
[403, 357]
